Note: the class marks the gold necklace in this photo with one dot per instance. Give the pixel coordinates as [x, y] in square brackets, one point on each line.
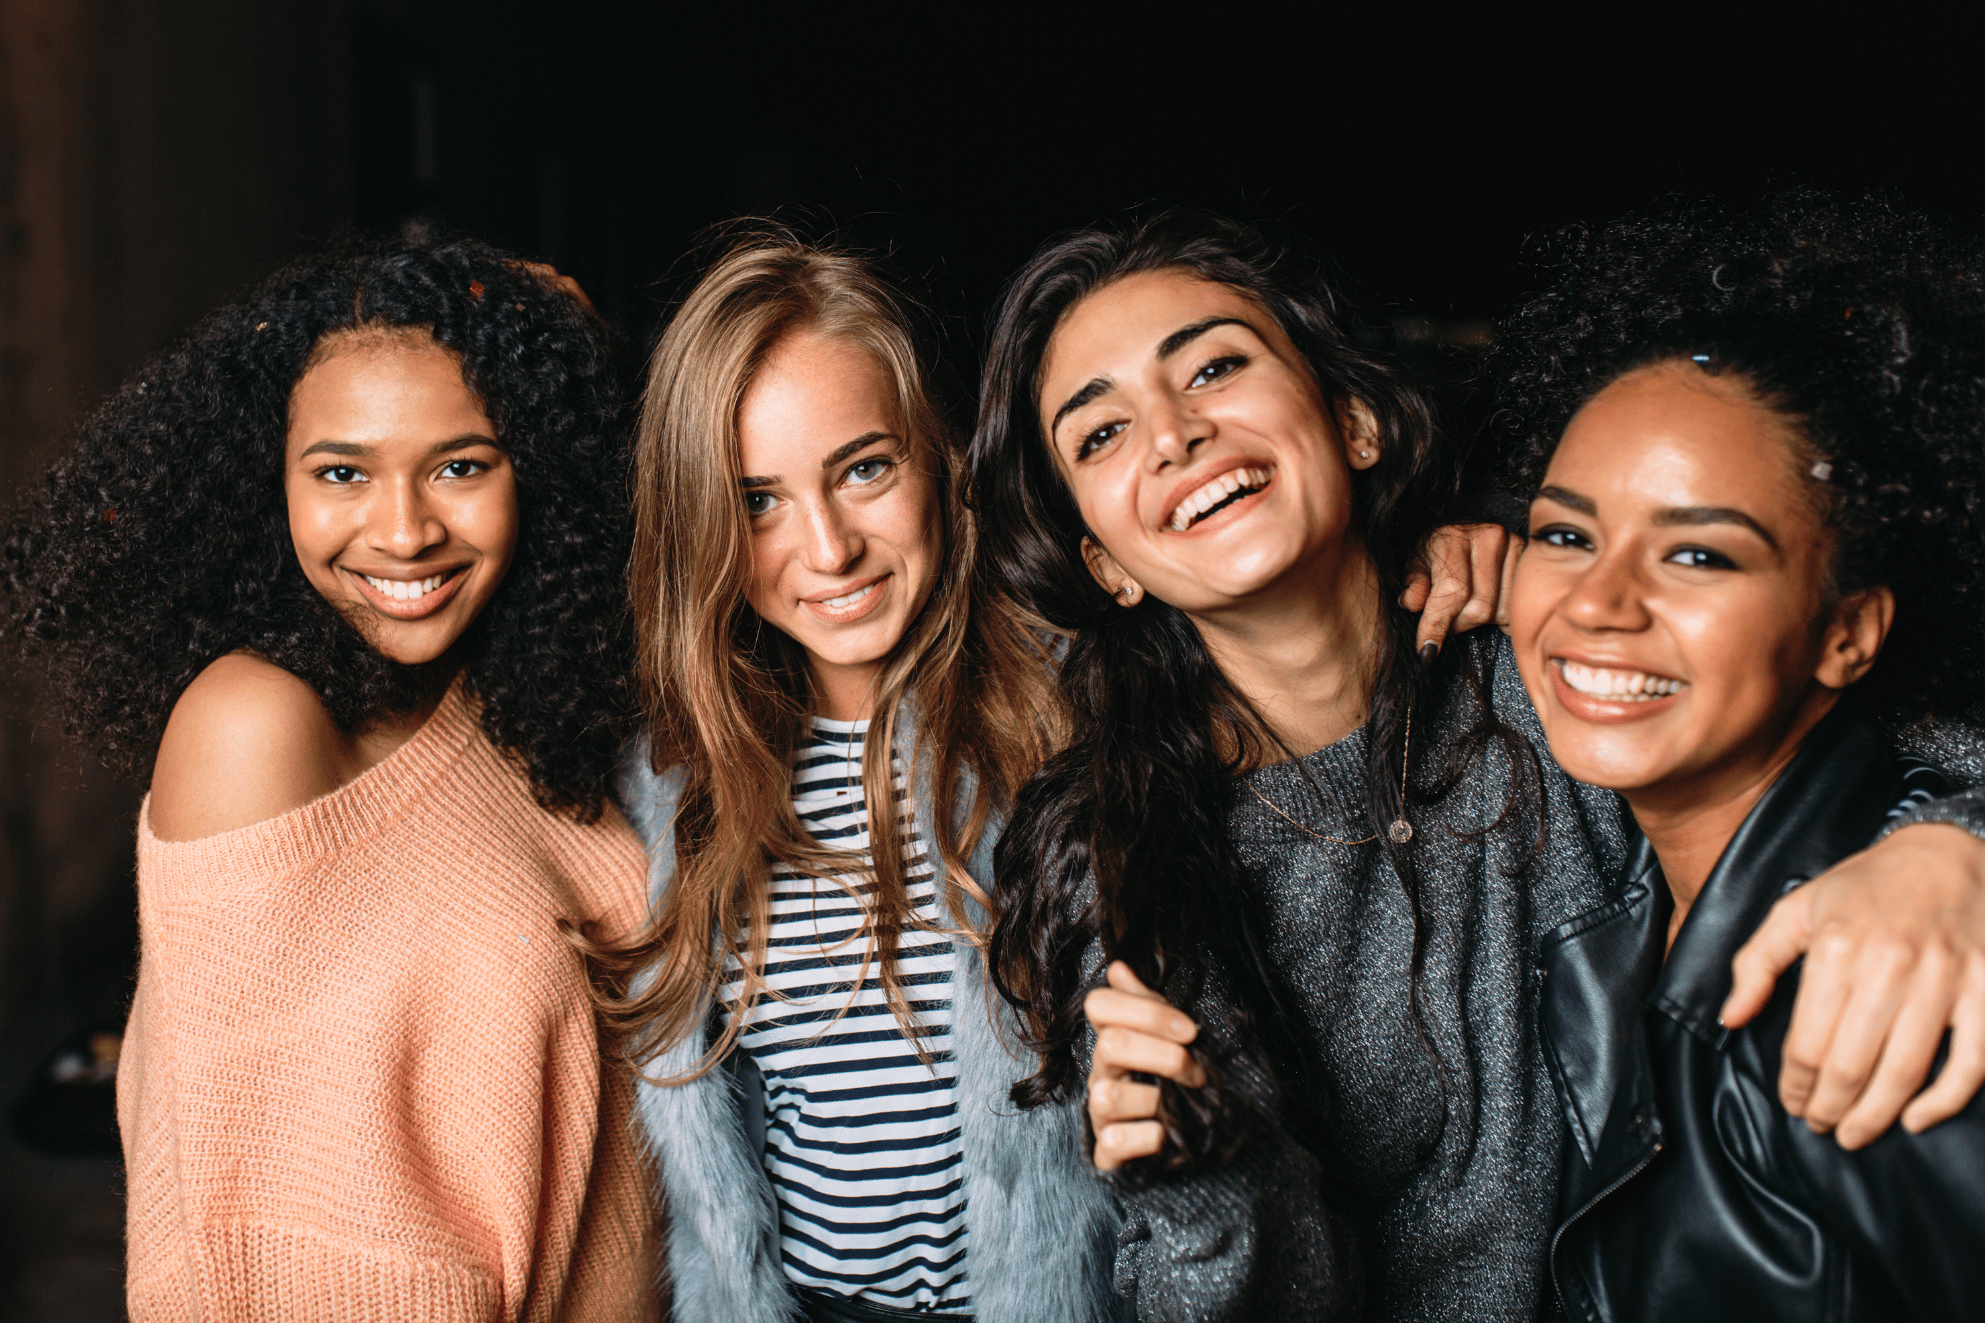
[1400, 831]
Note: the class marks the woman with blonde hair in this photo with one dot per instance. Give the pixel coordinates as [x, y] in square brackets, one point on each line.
[825, 1072]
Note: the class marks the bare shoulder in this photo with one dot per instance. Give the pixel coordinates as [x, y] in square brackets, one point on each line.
[246, 742]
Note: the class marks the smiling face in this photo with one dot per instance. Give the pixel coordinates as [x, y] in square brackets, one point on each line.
[1198, 445]
[844, 535]
[1670, 613]
[402, 508]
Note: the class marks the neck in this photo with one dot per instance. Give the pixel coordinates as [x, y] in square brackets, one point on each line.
[382, 735]
[1302, 653]
[843, 693]
[1689, 821]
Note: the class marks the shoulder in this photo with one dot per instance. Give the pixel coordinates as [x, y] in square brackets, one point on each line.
[246, 742]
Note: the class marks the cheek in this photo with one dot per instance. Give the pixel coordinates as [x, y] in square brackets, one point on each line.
[768, 562]
[316, 527]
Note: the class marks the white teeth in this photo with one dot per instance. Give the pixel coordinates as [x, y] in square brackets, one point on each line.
[1618, 686]
[1214, 492]
[406, 590]
[838, 602]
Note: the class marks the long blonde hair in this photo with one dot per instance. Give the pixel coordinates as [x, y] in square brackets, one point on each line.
[725, 696]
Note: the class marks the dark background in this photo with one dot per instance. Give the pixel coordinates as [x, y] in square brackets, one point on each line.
[156, 157]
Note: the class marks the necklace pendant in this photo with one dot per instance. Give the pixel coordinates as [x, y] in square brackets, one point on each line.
[1401, 831]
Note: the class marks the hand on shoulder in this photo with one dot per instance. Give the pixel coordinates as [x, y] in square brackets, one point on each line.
[246, 742]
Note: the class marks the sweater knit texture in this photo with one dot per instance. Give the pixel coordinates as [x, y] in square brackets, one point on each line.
[1446, 1161]
[362, 1078]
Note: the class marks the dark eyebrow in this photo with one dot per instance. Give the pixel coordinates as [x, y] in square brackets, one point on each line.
[1571, 500]
[1096, 386]
[1185, 335]
[841, 452]
[358, 448]
[1675, 516]
[1692, 515]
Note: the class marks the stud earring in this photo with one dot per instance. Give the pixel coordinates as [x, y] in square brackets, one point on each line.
[1129, 594]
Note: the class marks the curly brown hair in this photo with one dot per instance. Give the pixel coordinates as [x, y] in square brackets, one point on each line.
[161, 542]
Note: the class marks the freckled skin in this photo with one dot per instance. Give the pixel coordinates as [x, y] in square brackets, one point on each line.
[825, 530]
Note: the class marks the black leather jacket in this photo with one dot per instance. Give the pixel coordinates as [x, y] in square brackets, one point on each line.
[1688, 1193]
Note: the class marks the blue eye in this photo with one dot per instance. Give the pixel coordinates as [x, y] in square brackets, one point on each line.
[1218, 368]
[868, 470]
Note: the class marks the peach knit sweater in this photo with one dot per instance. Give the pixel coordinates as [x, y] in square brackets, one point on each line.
[361, 1079]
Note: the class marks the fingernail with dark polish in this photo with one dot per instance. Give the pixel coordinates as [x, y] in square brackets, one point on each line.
[1428, 651]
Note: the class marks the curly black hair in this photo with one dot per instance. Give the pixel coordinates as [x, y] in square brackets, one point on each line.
[1861, 323]
[161, 541]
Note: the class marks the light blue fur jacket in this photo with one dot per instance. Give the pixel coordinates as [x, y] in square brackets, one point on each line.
[1040, 1228]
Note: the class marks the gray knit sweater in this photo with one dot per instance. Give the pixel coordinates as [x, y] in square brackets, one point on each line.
[1448, 1160]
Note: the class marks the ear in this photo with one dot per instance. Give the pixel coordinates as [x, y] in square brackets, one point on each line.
[1104, 569]
[1358, 425]
[1854, 637]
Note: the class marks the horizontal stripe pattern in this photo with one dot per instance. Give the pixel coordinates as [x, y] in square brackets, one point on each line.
[861, 1135]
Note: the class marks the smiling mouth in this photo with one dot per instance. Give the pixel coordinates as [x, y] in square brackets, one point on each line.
[1217, 495]
[411, 599]
[1612, 684]
[847, 600]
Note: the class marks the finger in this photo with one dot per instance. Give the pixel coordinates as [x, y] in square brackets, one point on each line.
[1879, 980]
[1107, 1008]
[1111, 1101]
[1485, 554]
[1418, 584]
[1120, 1143]
[1122, 977]
[1122, 1051]
[1781, 939]
[1511, 554]
[1906, 1056]
[1823, 987]
[1964, 1068]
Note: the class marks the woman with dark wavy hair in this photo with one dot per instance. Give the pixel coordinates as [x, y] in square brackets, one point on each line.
[1338, 858]
[339, 576]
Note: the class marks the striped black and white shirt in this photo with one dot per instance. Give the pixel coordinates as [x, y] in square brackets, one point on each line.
[861, 1136]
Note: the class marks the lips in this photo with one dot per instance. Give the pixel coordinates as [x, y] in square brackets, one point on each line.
[1606, 695]
[849, 604]
[411, 599]
[1217, 493]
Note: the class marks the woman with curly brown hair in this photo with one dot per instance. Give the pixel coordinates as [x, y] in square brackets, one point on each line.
[339, 576]
[1757, 538]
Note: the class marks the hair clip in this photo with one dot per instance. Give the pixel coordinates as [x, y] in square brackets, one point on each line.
[1698, 358]
[261, 327]
[110, 515]
[475, 289]
[1822, 470]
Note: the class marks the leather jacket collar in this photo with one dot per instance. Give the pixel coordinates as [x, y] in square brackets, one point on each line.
[1600, 969]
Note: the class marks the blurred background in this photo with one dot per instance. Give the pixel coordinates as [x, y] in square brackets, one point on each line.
[157, 156]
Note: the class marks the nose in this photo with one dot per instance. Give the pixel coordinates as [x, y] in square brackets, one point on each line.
[1174, 431]
[833, 544]
[1608, 595]
[402, 523]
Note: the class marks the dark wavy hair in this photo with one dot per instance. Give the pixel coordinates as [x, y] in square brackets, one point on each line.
[1860, 323]
[1138, 803]
[161, 541]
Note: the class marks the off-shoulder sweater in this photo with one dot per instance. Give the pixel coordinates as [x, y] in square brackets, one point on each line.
[362, 1077]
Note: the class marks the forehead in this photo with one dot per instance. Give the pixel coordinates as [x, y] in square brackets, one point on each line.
[1673, 435]
[813, 392]
[382, 384]
[1121, 324]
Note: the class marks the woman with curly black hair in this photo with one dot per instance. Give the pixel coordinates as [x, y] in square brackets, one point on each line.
[340, 577]
[1757, 449]
[1337, 860]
